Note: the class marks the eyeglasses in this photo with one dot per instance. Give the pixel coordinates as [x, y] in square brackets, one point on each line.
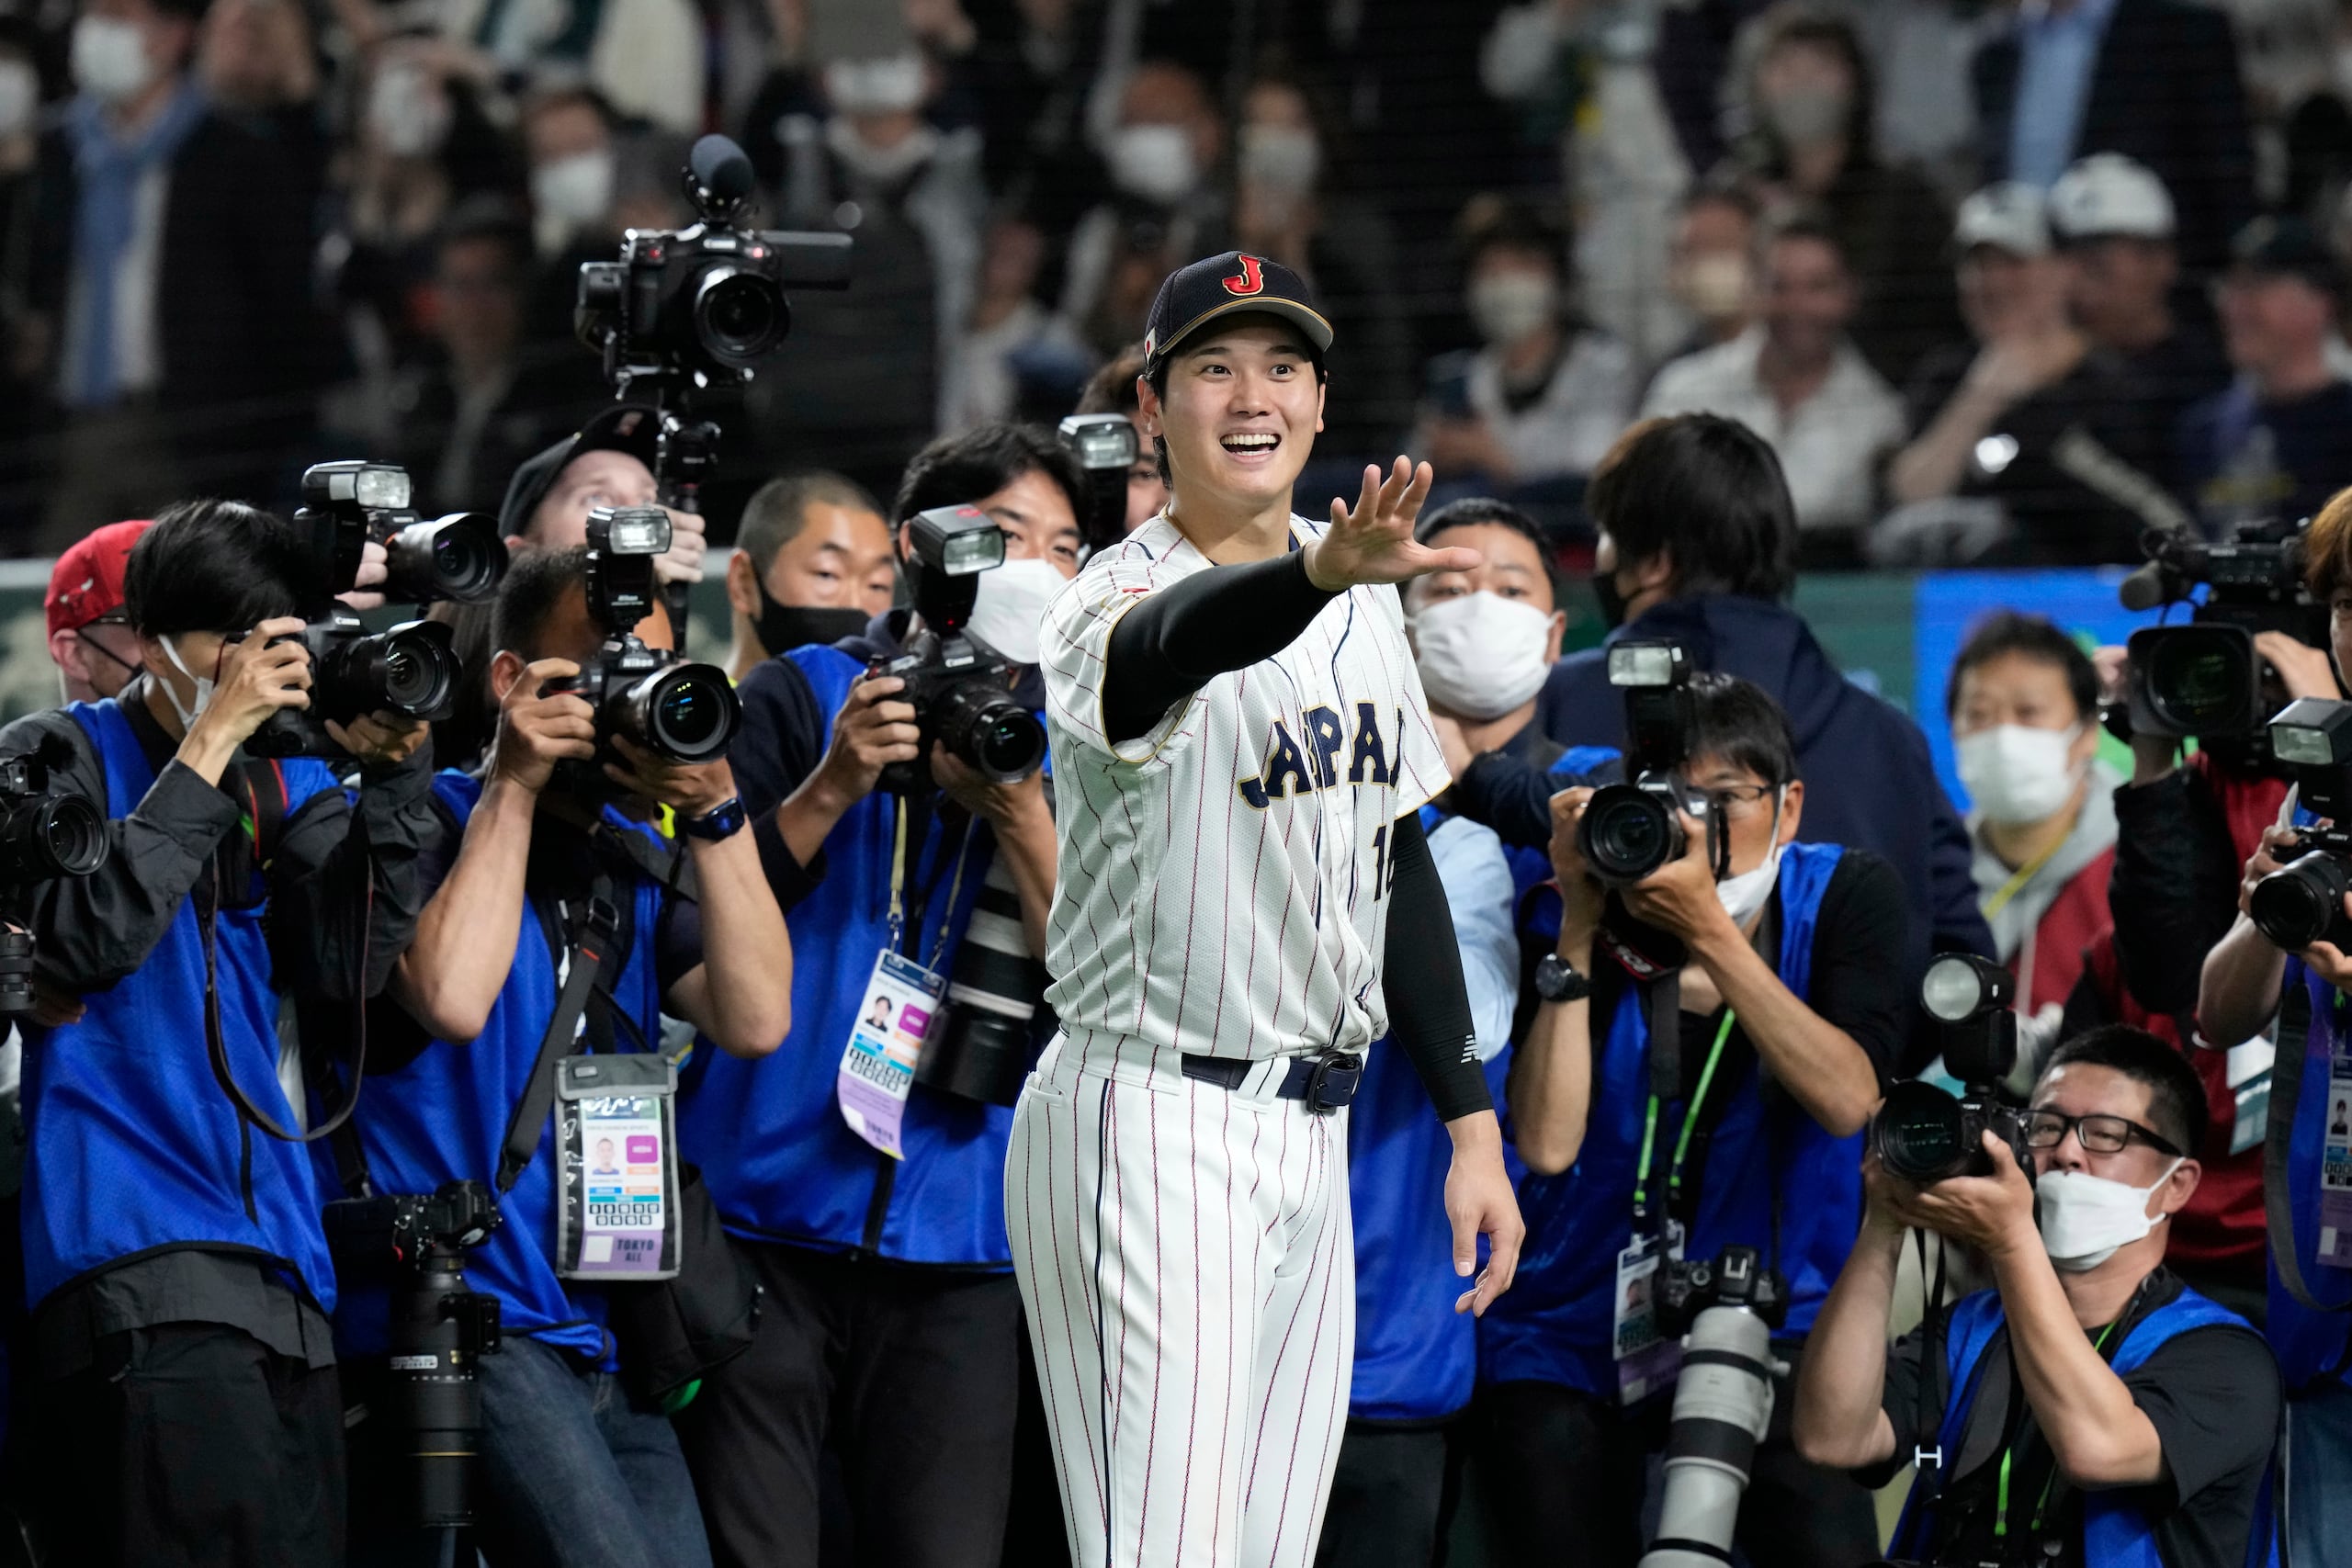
[2098, 1134]
[1739, 802]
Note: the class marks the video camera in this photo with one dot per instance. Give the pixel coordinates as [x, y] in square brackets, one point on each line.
[1107, 448]
[705, 302]
[410, 669]
[41, 836]
[2204, 679]
[958, 686]
[439, 1328]
[2302, 902]
[680, 711]
[1924, 1133]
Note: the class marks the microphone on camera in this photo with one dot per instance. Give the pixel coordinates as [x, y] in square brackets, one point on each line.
[2146, 588]
[721, 171]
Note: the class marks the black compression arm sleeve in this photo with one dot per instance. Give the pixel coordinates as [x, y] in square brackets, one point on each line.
[1227, 617]
[1420, 975]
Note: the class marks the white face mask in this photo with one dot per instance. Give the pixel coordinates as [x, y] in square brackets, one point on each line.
[2016, 773]
[889, 85]
[577, 189]
[1154, 161]
[109, 59]
[187, 714]
[2086, 1219]
[1505, 307]
[1009, 613]
[1281, 158]
[19, 96]
[1745, 896]
[880, 166]
[410, 114]
[1714, 284]
[1807, 115]
[1481, 655]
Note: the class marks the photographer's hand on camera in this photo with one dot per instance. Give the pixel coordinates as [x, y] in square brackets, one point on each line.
[1992, 1214]
[682, 562]
[1025, 830]
[1582, 897]
[537, 732]
[256, 678]
[690, 789]
[2305, 671]
[381, 740]
[873, 730]
[1680, 897]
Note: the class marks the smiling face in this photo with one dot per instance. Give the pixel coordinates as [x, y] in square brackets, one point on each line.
[1239, 413]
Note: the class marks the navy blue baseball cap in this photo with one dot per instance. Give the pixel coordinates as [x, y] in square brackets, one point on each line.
[1228, 285]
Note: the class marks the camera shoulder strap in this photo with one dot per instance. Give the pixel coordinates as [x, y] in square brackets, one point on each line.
[593, 942]
[2286, 1089]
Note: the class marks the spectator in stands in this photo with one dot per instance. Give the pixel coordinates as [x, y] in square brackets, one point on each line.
[2156, 80]
[1812, 100]
[1013, 349]
[170, 273]
[813, 562]
[462, 419]
[2279, 442]
[1545, 395]
[1284, 207]
[1796, 380]
[2025, 444]
[643, 58]
[1112, 391]
[568, 137]
[2023, 705]
[2114, 220]
[1711, 269]
[1163, 207]
[256, 61]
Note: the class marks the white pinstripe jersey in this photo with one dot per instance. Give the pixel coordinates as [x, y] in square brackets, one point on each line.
[1224, 876]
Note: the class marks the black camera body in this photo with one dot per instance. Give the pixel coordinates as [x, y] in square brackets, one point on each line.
[706, 302]
[2302, 902]
[439, 1328]
[1735, 1278]
[959, 687]
[1630, 830]
[680, 711]
[1925, 1135]
[412, 670]
[41, 836]
[2204, 679]
[1107, 448]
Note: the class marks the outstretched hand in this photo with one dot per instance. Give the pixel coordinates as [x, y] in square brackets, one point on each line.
[1373, 541]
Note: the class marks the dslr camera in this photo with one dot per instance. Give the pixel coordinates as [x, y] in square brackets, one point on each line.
[1629, 830]
[2204, 679]
[41, 836]
[409, 669]
[2302, 901]
[959, 687]
[440, 1329]
[1925, 1135]
[704, 303]
[681, 712]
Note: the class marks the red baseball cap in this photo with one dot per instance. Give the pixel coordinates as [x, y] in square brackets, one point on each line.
[87, 584]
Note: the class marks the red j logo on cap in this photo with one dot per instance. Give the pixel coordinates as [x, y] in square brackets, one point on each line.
[1249, 280]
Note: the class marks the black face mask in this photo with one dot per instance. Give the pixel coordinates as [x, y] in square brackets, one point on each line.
[1611, 597]
[783, 626]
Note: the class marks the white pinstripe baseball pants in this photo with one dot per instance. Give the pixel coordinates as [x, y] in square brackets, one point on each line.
[1185, 1258]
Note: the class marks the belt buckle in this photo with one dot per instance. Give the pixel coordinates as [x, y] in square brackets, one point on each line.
[1334, 1081]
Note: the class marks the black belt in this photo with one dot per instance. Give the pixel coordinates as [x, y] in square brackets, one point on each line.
[1326, 1080]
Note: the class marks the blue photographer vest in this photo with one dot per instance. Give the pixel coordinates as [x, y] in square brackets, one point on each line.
[2115, 1535]
[780, 1163]
[132, 1145]
[2313, 1347]
[443, 1117]
[1554, 1323]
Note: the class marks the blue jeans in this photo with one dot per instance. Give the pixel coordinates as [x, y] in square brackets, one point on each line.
[2319, 1477]
[574, 1475]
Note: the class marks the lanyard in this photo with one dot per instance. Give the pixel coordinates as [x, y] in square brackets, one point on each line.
[2001, 1499]
[1690, 1121]
[899, 885]
[2000, 896]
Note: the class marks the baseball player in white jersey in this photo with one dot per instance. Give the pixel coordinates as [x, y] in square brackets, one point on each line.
[1240, 750]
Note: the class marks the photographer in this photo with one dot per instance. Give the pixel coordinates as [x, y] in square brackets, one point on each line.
[2246, 985]
[607, 462]
[875, 1264]
[813, 562]
[575, 1468]
[90, 639]
[1697, 546]
[1791, 1007]
[2098, 1410]
[187, 1405]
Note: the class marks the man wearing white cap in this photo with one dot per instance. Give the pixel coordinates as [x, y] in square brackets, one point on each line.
[2025, 417]
[2114, 219]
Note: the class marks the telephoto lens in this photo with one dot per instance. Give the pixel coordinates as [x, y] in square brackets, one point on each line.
[684, 713]
[988, 729]
[458, 557]
[410, 670]
[1723, 1407]
[2302, 902]
[58, 835]
[1627, 832]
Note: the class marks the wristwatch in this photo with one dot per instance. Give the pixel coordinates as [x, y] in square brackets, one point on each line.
[1556, 980]
[723, 820]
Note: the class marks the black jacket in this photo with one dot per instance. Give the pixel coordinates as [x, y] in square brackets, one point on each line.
[2164, 91]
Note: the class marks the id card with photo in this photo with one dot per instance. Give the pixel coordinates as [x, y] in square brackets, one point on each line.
[617, 1134]
[1646, 1360]
[897, 1014]
[2336, 1166]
